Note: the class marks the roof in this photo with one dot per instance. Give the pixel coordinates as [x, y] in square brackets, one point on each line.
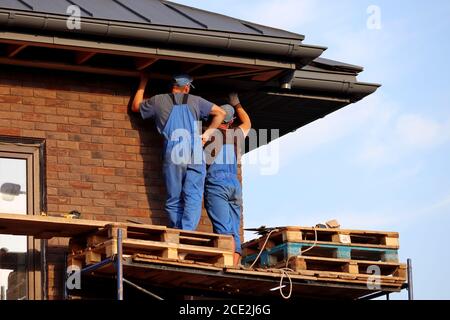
[150, 12]
[124, 37]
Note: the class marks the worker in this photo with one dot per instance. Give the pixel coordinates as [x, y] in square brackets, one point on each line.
[223, 192]
[177, 116]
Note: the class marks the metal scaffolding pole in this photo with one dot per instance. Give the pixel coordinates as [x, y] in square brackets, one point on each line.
[119, 264]
[410, 280]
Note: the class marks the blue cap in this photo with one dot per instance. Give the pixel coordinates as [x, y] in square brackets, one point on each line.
[230, 112]
[182, 80]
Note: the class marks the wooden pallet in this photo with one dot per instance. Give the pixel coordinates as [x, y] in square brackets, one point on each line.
[158, 241]
[271, 257]
[369, 239]
[385, 269]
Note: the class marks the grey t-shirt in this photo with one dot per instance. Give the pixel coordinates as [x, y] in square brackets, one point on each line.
[160, 106]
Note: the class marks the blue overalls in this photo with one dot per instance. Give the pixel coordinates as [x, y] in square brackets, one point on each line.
[184, 167]
[223, 194]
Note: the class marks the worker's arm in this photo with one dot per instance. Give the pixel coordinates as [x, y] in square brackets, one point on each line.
[242, 115]
[218, 115]
[139, 97]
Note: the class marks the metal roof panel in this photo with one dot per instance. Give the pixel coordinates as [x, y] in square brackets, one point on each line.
[153, 12]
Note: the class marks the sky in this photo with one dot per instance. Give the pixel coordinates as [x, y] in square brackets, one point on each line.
[382, 163]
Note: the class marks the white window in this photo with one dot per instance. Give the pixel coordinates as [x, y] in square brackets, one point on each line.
[19, 194]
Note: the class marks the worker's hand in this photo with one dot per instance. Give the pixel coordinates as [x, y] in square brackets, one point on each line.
[233, 99]
[205, 138]
[145, 76]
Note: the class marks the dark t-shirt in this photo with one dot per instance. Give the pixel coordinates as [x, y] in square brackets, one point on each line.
[160, 106]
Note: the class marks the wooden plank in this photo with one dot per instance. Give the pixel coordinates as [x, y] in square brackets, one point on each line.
[34, 225]
[225, 74]
[76, 68]
[266, 76]
[83, 57]
[14, 49]
[194, 68]
[142, 63]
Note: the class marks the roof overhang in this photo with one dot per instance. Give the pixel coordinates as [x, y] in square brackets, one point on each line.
[282, 82]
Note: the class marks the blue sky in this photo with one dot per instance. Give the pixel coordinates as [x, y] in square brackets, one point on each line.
[380, 164]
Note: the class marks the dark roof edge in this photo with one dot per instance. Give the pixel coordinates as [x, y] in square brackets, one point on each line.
[286, 48]
[355, 91]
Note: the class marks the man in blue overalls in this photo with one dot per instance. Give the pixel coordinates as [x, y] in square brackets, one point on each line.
[177, 116]
[223, 191]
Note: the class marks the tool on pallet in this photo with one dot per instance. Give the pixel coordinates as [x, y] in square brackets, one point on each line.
[74, 214]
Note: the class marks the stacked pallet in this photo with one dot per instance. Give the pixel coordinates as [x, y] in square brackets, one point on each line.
[152, 241]
[330, 253]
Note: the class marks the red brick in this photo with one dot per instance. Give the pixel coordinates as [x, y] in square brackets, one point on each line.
[90, 146]
[46, 126]
[10, 99]
[81, 185]
[10, 115]
[5, 107]
[57, 200]
[22, 108]
[45, 110]
[80, 153]
[22, 124]
[114, 163]
[92, 194]
[33, 133]
[79, 137]
[90, 98]
[126, 172]
[68, 112]
[102, 123]
[126, 188]
[60, 168]
[103, 171]
[68, 160]
[116, 211]
[102, 107]
[115, 179]
[126, 141]
[57, 136]
[68, 208]
[103, 155]
[127, 204]
[126, 156]
[79, 105]
[68, 145]
[113, 147]
[5, 90]
[41, 93]
[57, 119]
[114, 132]
[80, 121]
[91, 178]
[114, 100]
[91, 130]
[81, 201]
[93, 209]
[69, 128]
[121, 109]
[123, 124]
[80, 169]
[115, 116]
[34, 101]
[103, 140]
[132, 134]
[33, 117]
[65, 95]
[135, 212]
[19, 91]
[60, 104]
[91, 114]
[104, 187]
[105, 203]
[69, 176]
[116, 195]
[91, 162]
[69, 192]
[9, 131]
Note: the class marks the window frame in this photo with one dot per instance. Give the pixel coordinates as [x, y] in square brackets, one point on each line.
[33, 152]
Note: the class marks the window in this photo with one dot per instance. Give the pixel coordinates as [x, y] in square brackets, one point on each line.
[20, 185]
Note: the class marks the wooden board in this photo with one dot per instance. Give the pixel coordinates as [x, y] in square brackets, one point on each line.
[45, 227]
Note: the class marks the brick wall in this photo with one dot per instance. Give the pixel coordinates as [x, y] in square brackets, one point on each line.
[100, 160]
